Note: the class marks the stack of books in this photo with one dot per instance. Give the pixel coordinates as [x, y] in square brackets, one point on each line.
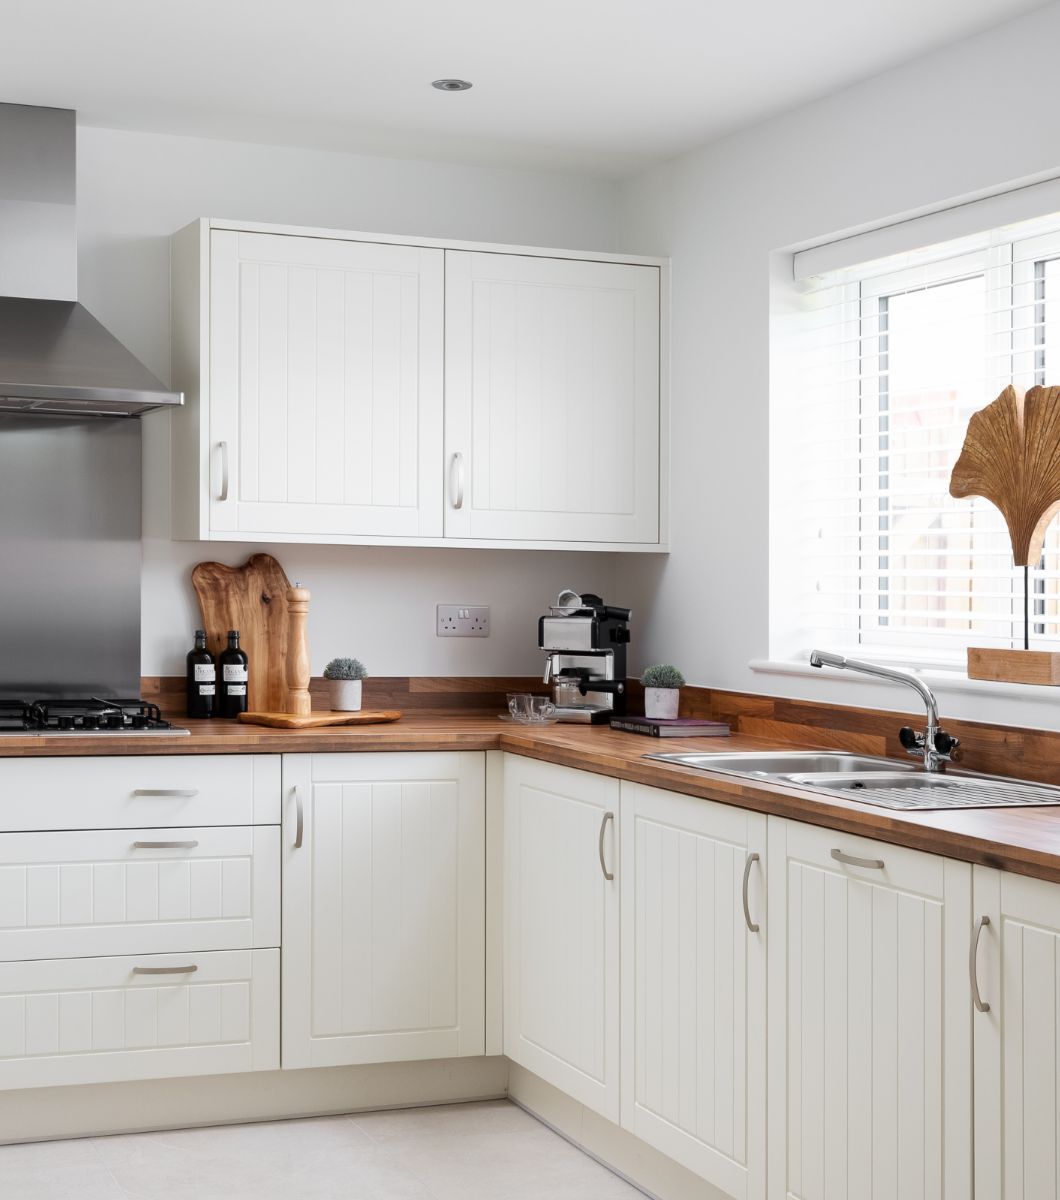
[671, 727]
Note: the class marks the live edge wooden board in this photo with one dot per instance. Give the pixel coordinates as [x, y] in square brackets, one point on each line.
[1026, 841]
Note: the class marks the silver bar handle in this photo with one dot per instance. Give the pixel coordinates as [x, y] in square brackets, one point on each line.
[178, 793]
[223, 494]
[190, 969]
[299, 818]
[456, 467]
[852, 860]
[748, 864]
[164, 845]
[608, 816]
[973, 974]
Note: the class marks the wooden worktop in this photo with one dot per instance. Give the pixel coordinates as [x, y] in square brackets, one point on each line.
[1026, 841]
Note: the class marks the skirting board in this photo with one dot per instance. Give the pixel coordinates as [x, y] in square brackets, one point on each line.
[41, 1114]
[636, 1161]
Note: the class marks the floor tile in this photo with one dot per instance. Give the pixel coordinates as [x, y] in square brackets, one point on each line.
[399, 1126]
[58, 1183]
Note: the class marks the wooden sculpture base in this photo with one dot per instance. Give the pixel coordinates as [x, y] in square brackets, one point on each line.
[319, 719]
[1014, 666]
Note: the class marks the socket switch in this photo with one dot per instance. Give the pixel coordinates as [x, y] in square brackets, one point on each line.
[463, 620]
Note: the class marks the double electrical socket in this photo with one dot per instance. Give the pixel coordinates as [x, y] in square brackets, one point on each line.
[463, 620]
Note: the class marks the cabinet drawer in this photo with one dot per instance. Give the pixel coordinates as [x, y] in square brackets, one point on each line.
[148, 792]
[96, 1020]
[138, 891]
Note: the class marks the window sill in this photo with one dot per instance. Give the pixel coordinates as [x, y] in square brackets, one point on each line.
[940, 680]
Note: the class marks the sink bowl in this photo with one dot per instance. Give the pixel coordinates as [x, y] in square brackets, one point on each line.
[878, 781]
[755, 763]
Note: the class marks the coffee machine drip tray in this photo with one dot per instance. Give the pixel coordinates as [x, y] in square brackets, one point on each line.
[585, 714]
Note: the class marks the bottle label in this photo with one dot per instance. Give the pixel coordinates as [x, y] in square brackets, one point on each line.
[235, 673]
[204, 673]
[237, 689]
[207, 689]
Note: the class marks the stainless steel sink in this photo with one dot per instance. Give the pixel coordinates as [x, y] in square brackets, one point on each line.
[803, 762]
[877, 781]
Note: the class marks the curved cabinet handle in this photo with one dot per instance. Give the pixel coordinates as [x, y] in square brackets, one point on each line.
[168, 793]
[222, 495]
[852, 860]
[973, 958]
[608, 816]
[164, 845]
[299, 818]
[748, 864]
[456, 480]
[190, 969]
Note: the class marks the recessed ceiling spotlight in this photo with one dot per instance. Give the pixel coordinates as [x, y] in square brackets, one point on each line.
[451, 85]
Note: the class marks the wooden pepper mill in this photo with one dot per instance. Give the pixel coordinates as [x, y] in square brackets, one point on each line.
[299, 701]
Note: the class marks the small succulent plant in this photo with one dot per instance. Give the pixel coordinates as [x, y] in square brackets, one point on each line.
[662, 676]
[345, 668]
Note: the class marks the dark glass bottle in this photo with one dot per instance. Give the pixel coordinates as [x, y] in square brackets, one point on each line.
[234, 676]
[202, 678]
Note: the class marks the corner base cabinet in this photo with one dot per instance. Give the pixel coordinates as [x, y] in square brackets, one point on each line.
[383, 907]
[870, 1056]
[561, 982]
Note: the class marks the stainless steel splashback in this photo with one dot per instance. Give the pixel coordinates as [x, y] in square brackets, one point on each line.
[69, 556]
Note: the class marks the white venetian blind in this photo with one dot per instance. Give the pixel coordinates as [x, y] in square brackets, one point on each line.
[885, 363]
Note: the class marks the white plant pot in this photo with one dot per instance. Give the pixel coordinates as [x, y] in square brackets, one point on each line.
[345, 695]
[661, 703]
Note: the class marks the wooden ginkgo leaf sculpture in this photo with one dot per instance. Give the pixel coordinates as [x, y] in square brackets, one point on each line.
[1011, 456]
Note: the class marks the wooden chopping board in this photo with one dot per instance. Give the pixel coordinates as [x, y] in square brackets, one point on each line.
[253, 599]
[282, 720]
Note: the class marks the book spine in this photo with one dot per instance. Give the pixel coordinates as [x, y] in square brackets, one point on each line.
[630, 727]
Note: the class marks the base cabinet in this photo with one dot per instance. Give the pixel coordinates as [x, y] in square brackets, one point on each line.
[383, 907]
[694, 985]
[561, 910]
[870, 1062]
[1017, 1037]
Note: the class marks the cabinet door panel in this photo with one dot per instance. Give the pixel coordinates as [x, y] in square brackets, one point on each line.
[869, 1029]
[384, 908]
[693, 985]
[552, 398]
[326, 386]
[1017, 1072]
[561, 984]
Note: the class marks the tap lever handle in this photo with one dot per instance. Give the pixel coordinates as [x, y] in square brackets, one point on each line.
[909, 738]
[944, 743]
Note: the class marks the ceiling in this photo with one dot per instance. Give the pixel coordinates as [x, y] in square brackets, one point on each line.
[604, 87]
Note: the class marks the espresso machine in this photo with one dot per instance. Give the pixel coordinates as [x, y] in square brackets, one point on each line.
[585, 642]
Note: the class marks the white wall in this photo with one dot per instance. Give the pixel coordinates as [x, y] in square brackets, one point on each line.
[135, 189]
[956, 124]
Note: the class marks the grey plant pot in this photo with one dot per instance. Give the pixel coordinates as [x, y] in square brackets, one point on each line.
[345, 695]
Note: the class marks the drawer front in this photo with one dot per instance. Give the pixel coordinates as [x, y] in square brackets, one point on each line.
[97, 1020]
[138, 891]
[139, 791]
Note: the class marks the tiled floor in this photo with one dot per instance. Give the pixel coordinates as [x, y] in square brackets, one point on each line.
[488, 1151]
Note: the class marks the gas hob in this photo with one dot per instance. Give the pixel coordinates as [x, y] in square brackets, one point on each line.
[84, 718]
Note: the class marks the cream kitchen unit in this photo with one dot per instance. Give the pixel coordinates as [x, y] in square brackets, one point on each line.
[359, 389]
[781, 1009]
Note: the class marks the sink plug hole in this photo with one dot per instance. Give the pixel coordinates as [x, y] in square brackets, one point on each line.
[857, 784]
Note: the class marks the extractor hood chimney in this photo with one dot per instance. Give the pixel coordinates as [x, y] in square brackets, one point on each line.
[55, 357]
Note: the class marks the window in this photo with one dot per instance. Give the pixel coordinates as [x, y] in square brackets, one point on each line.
[880, 368]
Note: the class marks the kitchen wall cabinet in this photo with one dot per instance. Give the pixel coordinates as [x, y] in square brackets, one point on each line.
[383, 907]
[1017, 1036]
[561, 928]
[870, 1057]
[694, 984]
[551, 399]
[353, 389]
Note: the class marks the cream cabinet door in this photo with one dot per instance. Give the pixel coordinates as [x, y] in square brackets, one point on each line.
[1017, 1036]
[561, 911]
[552, 399]
[325, 388]
[870, 1062]
[694, 985]
[383, 907]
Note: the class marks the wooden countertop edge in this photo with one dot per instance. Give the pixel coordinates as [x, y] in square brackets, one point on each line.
[963, 835]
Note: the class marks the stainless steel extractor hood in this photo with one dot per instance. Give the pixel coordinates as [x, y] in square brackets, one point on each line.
[55, 357]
